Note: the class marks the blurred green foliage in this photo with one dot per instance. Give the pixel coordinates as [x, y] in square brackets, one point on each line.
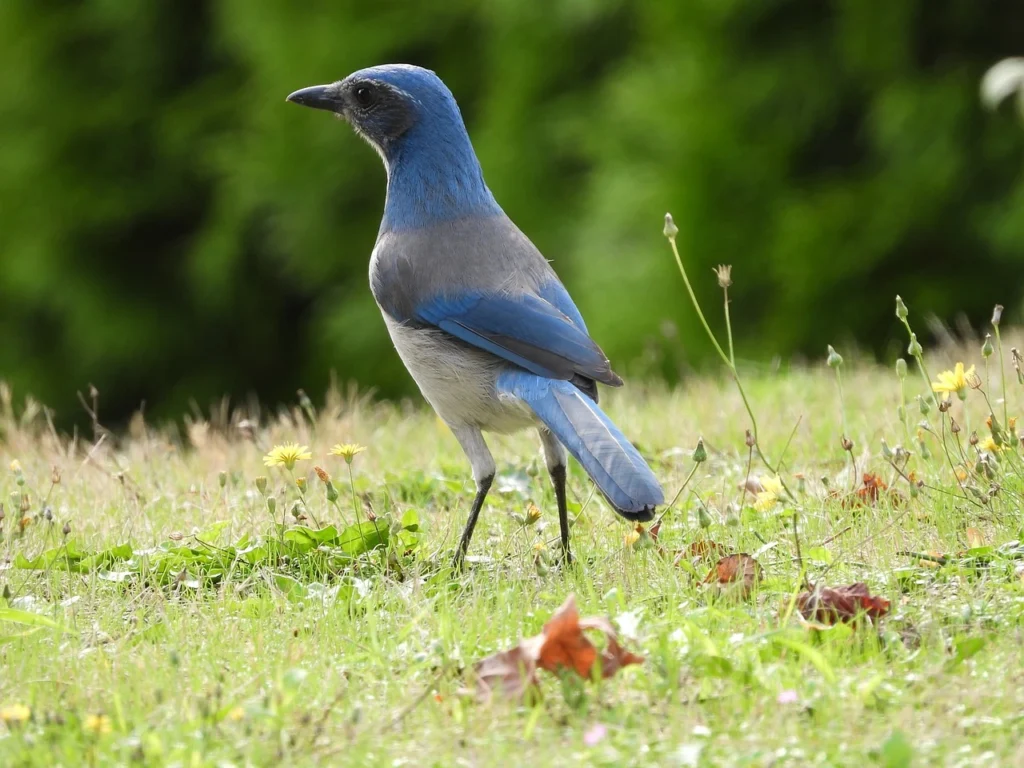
[171, 229]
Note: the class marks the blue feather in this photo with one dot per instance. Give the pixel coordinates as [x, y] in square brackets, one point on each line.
[523, 329]
[588, 434]
[555, 294]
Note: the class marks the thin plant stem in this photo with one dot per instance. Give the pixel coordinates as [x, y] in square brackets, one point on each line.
[696, 305]
[1002, 376]
[727, 359]
[842, 402]
[728, 326]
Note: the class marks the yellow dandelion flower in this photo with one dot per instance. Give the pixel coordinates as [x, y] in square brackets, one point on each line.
[769, 495]
[956, 380]
[988, 444]
[631, 538]
[532, 514]
[235, 714]
[1013, 423]
[16, 467]
[539, 547]
[98, 724]
[300, 483]
[15, 714]
[287, 455]
[347, 451]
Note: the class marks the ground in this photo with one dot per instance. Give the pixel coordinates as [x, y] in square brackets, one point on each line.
[216, 637]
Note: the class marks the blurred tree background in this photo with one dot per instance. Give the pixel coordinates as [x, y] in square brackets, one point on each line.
[170, 229]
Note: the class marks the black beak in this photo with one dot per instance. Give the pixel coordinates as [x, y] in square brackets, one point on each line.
[317, 97]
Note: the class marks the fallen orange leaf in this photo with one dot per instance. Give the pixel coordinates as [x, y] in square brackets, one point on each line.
[975, 538]
[561, 645]
[740, 568]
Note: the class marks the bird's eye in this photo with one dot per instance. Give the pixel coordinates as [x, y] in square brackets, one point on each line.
[364, 96]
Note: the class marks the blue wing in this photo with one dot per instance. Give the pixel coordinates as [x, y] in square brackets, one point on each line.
[524, 329]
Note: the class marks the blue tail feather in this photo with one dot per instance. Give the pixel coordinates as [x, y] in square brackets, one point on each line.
[588, 434]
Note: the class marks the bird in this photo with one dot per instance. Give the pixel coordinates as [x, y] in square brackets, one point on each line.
[478, 316]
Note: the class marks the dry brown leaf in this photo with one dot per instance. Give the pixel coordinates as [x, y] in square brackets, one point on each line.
[735, 569]
[830, 605]
[702, 549]
[871, 490]
[975, 538]
[561, 645]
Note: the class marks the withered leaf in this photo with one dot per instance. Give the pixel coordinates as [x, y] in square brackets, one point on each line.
[871, 490]
[561, 645]
[702, 549]
[829, 605]
[739, 569]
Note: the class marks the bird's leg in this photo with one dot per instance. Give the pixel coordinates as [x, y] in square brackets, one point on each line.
[554, 455]
[472, 442]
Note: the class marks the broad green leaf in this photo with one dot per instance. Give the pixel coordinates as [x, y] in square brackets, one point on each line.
[29, 619]
[966, 647]
[896, 751]
[291, 588]
[411, 520]
[364, 537]
[819, 554]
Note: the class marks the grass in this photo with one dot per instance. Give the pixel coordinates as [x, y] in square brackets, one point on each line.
[360, 661]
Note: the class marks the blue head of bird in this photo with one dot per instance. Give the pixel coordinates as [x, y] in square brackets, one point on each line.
[411, 118]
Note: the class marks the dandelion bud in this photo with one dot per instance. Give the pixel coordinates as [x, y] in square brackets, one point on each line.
[66, 529]
[48, 514]
[901, 368]
[944, 405]
[914, 348]
[26, 503]
[703, 518]
[825, 482]
[724, 274]
[953, 426]
[222, 478]
[671, 230]
[271, 505]
[886, 451]
[973, 439]
[986, 347]
[834, 359]
[901, 309]
[300, 483]
[749, 439]
[700, 454]
[261, 485]
[332, 492]
[296, 510]
[322, 474]
[924, 405]
[55, 475]
[901, 413]
[997, 314]
[732, 519]
[847, 444]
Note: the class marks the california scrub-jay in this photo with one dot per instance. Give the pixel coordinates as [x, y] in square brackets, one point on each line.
[477, 315]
